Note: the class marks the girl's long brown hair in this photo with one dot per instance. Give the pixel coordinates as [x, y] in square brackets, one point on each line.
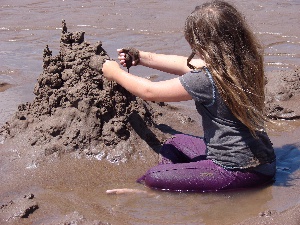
[219, 33]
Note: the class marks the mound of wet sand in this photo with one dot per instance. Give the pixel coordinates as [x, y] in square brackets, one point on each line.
[282, 94]
[76, 109]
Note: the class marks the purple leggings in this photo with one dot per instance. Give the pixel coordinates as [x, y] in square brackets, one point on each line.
[184, 167]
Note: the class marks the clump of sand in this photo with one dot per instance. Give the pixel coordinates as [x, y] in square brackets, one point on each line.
[76, 109]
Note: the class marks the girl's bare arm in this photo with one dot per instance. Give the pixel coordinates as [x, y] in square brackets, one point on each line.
[162, 91]
[172, 64]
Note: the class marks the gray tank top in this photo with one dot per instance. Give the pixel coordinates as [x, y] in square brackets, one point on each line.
[229, 142]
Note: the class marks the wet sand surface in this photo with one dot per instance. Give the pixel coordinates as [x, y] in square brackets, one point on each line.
[70, 188]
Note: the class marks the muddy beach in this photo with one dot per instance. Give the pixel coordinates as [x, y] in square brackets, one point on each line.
[67, 138]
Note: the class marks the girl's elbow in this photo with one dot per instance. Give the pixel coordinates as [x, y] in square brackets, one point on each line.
[147, 92]
[147, 97]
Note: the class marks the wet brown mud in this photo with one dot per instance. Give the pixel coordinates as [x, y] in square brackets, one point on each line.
[283, 93]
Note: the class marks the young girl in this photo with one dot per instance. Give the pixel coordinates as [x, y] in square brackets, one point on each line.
[227, 84]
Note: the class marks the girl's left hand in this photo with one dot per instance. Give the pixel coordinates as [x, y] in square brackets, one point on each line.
[110, 69]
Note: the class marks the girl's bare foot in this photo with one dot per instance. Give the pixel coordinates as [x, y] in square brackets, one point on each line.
[125, 191]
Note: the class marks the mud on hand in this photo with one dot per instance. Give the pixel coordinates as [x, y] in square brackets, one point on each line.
[131, 55]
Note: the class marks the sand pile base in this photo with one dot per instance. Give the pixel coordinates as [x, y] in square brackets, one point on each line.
[76, 109]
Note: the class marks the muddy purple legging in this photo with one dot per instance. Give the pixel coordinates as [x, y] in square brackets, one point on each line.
[184, 167]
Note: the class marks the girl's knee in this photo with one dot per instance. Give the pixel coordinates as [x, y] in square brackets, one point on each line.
[173, 139]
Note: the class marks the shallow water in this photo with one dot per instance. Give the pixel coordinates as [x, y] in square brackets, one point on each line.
[27, 26]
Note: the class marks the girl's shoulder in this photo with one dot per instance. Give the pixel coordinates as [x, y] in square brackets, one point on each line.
[199, 84]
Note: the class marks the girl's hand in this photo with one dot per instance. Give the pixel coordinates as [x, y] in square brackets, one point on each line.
[122, 57]
[128, 57]
[110, 69]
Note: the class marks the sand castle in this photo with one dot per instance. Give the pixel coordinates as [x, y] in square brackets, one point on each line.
[76, 109]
